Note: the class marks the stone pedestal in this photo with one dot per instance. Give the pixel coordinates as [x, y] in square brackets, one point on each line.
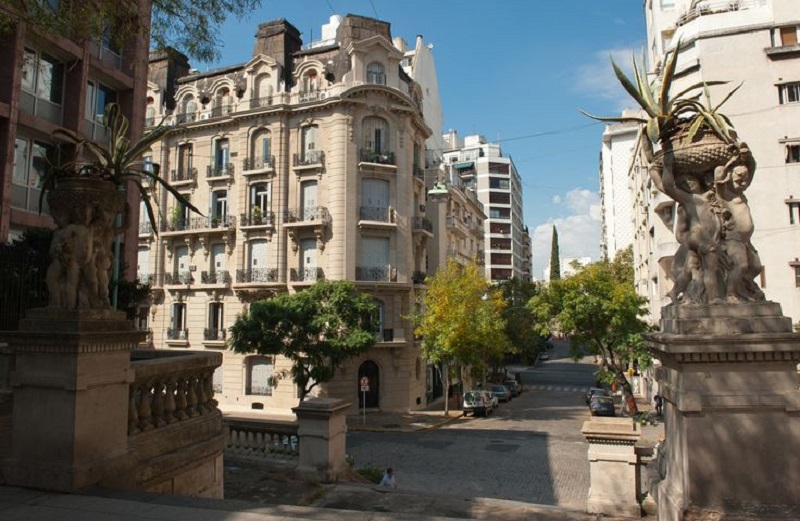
[612, 466]
[70, 384]
[732, 413]
[322, 430]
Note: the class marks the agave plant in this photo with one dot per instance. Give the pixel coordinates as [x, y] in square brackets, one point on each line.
[118, 163]
[665, 114]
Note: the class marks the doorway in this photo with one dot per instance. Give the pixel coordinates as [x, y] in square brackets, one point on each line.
[371, 398]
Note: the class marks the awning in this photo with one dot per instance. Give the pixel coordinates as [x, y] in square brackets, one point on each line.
[464, 164]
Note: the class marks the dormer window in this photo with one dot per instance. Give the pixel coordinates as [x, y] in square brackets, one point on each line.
[310, 81]
[376, 73]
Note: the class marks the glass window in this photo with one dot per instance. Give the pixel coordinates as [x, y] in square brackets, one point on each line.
[259, 197]
[789, 93]
[793, 153]
[797, 276]
[43, 75]
[259, 376]
[376, 134]
[376, 74]
[31, 162]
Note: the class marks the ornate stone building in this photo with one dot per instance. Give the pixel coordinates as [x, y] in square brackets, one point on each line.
[308, 162]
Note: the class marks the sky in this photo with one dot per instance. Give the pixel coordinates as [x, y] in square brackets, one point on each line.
[514, 71]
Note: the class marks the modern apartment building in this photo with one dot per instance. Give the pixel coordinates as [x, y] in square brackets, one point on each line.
[498, 187]
[309, 163]
[753, 42]
[616, 204]
[50, 83]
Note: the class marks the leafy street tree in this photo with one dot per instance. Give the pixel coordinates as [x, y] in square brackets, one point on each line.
[189, 27]
[524, 342]
[316, 329]
[461, 322]
[555, 257]
[599, 309]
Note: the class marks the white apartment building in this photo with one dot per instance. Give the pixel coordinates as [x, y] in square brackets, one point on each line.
[499, 188]
[616, 204]
[308, 161]
[753, 42]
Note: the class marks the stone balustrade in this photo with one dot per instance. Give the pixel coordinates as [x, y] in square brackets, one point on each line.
[262, 439]
[170, 388]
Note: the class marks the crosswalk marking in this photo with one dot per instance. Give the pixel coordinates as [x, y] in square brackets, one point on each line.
[556, 388]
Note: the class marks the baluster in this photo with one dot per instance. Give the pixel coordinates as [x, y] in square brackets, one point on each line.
[191, 396]
[133, 415]
[145, 412]
[180, 399]
[202, 398]
[260, 443]
[169, 400]
[158, 404]
[208, 380]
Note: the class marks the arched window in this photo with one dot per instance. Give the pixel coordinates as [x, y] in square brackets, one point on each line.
[310, 81]
[263, 94]
[375, 135]
[376, 74]
[188, 109]
[261, 150]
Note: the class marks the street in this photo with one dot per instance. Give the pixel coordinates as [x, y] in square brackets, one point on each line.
[530, 449]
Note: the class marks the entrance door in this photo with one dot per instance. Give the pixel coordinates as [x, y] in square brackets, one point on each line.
[370, 399]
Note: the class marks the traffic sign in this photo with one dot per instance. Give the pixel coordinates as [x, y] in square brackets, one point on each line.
[364, 384]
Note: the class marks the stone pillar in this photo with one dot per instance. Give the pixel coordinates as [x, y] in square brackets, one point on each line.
[321, 430]
[70, 384]
[732, 412]
[612, 466]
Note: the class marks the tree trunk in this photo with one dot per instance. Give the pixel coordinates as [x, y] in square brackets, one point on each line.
[446, 381]
[627, 394]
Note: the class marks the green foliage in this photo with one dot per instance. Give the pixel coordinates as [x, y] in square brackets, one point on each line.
[555, 257]
[190, 27]
[121, 162]
[23, 267]
[371, 472]
[599, 309]
[524, 342]
[130, 293]
[664, 115]
[316, 329]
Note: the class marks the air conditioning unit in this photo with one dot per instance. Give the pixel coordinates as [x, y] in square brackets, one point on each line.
[323, 95]
[422, 208]
[203, 116]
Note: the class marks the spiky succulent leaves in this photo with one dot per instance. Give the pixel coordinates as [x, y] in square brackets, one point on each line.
[667, 77]
[726, 98]
[633, 90]
[645, 89]
[617, 119]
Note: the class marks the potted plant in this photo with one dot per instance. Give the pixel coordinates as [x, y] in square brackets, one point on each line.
[85, 198]
[256, 214]
[699, 135]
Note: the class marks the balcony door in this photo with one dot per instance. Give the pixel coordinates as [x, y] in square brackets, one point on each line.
[142, 263]
[219, 205]
[218, 259]
[181, 263]
[308, 199]
[308, 258]
[223, 154]
[375, 199]
[258, 254]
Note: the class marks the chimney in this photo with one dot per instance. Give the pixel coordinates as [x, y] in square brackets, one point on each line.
[279, 40]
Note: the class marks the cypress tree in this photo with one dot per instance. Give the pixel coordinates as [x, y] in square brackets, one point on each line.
[555, 264]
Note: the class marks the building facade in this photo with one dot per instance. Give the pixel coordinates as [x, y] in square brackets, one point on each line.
[616, 204]
[753, 42]
[308, 162]
[498, 187]
[53, 83]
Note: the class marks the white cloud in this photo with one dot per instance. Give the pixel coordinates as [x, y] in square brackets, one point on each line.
[557, 199]
[578, 231]
[596, 77]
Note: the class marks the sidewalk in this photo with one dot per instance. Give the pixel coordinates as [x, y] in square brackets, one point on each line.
[379, 421]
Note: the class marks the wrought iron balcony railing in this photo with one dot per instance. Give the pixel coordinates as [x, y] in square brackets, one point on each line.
[145, 228]
[215, 277]
[260, 102]
[152, 279]
[423, 223]
[177, 334]
[257, 275]
[258, 163]
[418, 277]
[185, 118]
[309, 274]
[199, 223]
[308, 214]
[214, 334]
[309, 157]
[221, 170]
[262, 219]
[221, 110]
[380, 157]
[178, 277]
[374, 273]
[388, 335]
[376, 213]
[183, 174]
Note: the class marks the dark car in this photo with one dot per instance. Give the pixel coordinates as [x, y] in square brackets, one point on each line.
[501, 392]
[513, 386]
[595, 391]
[602, 406]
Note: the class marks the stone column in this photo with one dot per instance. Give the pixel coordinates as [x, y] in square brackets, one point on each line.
[612, 466]
[321, 430]
[732, 412]
[70, 385]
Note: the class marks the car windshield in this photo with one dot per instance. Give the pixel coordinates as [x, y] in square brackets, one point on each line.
[472, 396]
[499, 389]
[605, 400]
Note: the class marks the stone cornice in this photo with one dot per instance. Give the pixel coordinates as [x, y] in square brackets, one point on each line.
[73, 343]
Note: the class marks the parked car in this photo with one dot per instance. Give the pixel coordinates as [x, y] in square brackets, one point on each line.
[501, 392]
[543, 357]
[595, 391]
[602, 406]
[477, 403]
[492, 399]
[514, 387]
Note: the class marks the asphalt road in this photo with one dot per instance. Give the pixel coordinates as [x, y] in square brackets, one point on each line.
[530, 450]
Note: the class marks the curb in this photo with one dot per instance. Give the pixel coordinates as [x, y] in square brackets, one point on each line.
[377, 428]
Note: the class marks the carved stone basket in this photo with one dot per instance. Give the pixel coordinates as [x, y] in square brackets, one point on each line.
[698, 156]
[83, 200]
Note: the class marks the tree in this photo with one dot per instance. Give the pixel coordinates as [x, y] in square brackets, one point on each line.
[599, 309]
[316, 329]
[523, 342]
[555, 257]
[461, 322]
[183, 24]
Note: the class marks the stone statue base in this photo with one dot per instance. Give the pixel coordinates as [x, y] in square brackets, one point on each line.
[52, 319]
[732, 413]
